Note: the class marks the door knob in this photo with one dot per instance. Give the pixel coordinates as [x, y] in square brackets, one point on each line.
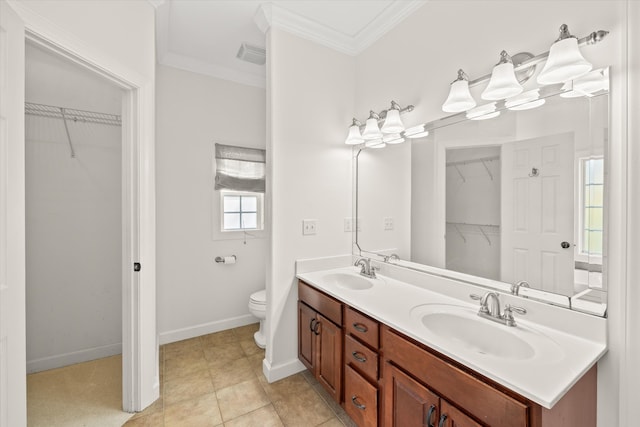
[565, 245]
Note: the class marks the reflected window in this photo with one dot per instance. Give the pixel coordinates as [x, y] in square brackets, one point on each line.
[592, 177]
[241, 211]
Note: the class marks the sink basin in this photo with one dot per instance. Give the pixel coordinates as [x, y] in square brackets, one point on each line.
[461, 327]
[353, 282]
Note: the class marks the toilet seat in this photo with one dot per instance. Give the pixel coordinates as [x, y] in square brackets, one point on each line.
[259, 298]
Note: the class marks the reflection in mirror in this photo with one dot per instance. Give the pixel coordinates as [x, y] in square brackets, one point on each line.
[519, 197]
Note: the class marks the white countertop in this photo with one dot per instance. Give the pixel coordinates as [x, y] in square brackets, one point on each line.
[543, 378]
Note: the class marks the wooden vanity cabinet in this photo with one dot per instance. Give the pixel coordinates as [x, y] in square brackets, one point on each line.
[320, 337]
[361, 344]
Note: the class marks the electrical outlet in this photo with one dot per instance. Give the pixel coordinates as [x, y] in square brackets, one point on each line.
[309, 226]
[348, 224]
[388, 223]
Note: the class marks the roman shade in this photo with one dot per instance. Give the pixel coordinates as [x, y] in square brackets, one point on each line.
[240, 168]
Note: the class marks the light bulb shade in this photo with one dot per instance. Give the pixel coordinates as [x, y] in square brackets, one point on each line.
[565, 62]
[375, 143]
[392, 123]
[416, 132]
[591, 82]
[459, 98]
[394, 138]
[354, 136]
[483, 112]
[503, 83]
[525, 101]
[371, 130]
[528, 105]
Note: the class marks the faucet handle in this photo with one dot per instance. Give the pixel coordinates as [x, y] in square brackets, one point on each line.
[475, 297]
[508, 314]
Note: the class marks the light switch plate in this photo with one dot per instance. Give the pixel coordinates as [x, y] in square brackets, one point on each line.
[388, 223]
[309, 226]
[348, 224]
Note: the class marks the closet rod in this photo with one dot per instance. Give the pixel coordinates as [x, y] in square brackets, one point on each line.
[72, 114]
[468, 162]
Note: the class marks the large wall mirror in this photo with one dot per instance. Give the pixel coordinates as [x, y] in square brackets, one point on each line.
[520, 196]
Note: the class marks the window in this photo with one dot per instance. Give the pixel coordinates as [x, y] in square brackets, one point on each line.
[592, 206]
[241, 211]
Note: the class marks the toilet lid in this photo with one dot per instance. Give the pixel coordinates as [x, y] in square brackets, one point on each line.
[259, 297]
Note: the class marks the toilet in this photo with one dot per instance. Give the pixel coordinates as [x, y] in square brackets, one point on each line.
[258, 307]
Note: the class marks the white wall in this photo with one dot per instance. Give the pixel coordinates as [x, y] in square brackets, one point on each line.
[195, 294]
[309, 108]
[474, 33]
[73, 224]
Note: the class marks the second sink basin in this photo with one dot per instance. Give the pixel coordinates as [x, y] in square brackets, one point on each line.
[349, 281]
[460, 326]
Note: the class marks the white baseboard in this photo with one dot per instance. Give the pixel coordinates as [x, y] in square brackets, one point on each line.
[206, 328]
[58, 361]
[283, 370]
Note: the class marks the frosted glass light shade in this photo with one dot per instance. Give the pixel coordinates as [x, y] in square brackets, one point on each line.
[459, 98]
[565, 63]
[503, 83]
[371, 130]
[525, 101]
[354, 136]
[416, 132]
[483, 112]
[375, 143]
[392, 123]
[591, 82]
[394, 138]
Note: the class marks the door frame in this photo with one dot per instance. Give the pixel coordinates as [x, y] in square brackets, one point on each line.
[140, 363]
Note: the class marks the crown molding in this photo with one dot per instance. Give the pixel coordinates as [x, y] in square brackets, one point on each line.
[212, 70]
[270, 15]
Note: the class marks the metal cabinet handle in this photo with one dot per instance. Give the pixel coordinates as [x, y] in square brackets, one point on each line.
[443, 419]
[316, 327]
[359, 357]
[360, 406]
[360, 327]
[432, 409]
[311, 325]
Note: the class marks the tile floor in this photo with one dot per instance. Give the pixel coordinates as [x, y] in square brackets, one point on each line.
[217, 380]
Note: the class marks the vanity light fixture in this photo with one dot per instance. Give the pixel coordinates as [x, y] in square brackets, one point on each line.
[373, 135]
[503, 83]
[392, 123]
[565, 60]
[371, 130]
[459, 98]
[354, 137]
[418, 131]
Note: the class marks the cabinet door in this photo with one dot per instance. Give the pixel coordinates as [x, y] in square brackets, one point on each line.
[329, 362]
[407, 403]
[452, 417]
[306, 336]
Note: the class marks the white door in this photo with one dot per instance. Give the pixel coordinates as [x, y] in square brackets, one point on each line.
[13, 395]
[537, 213]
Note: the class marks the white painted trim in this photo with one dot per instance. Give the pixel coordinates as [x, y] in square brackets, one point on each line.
[141, 384]
[213, 70]
[206, 328]
[271, 15]
[73, 357]
[283, 370]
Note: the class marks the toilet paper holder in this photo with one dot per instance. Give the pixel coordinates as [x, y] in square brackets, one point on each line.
[226, 259]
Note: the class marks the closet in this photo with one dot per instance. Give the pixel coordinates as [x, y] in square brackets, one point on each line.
[73, 213]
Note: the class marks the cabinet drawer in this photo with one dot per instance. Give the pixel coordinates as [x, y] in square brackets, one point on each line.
[360, 399]
[322, 303]
[487, 404]
[361, 358]
[362, 327]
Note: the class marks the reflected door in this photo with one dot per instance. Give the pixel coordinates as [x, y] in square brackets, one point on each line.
[537, 213]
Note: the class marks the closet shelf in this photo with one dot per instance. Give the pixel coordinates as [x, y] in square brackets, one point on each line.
[71, 114]
[468, 228]
[482, 160]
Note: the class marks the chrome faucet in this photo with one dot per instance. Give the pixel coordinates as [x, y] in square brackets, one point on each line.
[515, 289]
[490, 309]
[366, 269]
[392, 257]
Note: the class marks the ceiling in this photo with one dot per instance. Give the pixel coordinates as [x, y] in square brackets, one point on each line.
[204, 36]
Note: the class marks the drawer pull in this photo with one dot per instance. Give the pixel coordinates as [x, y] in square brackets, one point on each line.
[359, 357]
[360, 327]
[315, 328]
[354, 400]
[311, 325]
[443, 419]
[432, 409]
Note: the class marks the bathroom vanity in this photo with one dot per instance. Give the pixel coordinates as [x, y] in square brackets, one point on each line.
[399, 354]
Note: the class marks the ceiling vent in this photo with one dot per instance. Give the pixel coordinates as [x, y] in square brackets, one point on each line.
[250, 53]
